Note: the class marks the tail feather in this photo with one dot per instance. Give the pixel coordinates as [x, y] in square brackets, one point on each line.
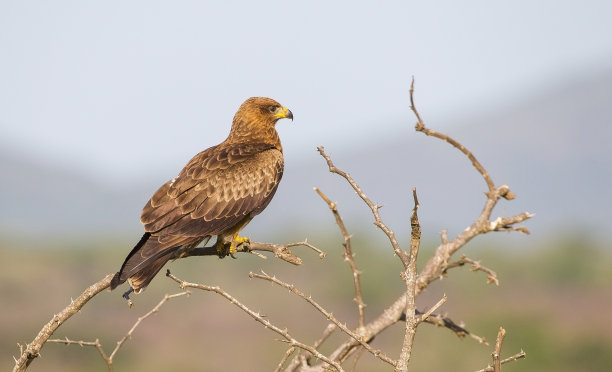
[143, 263]
[141, 278]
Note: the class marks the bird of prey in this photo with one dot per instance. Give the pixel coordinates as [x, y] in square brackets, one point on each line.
[216, 194]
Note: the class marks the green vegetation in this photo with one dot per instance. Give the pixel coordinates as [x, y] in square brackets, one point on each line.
[553, 300]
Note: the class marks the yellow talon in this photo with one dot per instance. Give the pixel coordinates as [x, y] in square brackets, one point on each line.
[222, 248]
[235, 241]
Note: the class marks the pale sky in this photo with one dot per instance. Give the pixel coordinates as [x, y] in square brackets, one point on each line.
[118, 89]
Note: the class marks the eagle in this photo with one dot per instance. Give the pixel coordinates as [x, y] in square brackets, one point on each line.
[216, 194]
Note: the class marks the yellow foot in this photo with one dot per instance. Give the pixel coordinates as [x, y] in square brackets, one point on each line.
[237, 240]
[223, 249]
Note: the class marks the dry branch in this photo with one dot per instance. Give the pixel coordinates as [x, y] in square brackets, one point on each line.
[357, 337]
[373, 207]
[520, 355]
[32, 350]
[348, 256]
[496, 355]
[476, 266]
[410, 277]
[109, 358]
[265, 322]
[281, 251]
[437, 265]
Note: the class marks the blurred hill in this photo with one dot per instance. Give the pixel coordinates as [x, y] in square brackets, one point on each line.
[548, 146]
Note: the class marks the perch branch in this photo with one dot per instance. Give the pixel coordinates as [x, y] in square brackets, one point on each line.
[281, 251]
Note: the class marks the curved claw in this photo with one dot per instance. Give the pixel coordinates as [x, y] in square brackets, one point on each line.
[224, 249]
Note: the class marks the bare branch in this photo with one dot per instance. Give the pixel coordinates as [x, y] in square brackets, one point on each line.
[281, 251]
[285, 358]
[32, 350]
[140, 319]
[420, 127]
[476, 266]
[497, 362]
[96, 344]
[357, 337]
[266, 323]
[331, 327]
[497, 352]
[348, 256]
[410, 277]
[461, 332]
[373, 207]
[109, 359]
[435, 307]
[519, 355]
[437, 264]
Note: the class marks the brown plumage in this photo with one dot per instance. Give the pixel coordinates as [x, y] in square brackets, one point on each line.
[216, 194]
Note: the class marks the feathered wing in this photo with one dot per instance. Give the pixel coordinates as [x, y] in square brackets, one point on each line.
[218, 191]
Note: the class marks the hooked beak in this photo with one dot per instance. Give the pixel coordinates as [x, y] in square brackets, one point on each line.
[284, 113]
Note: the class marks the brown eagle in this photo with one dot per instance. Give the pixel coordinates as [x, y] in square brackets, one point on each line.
[216, 194]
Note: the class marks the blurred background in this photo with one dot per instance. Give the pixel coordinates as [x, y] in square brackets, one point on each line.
[101, 103]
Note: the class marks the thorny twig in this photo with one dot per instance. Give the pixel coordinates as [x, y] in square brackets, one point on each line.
[496, 355]
[32, 350]
[377, 353]
[348, 255]
[109, 358]
[476, 266]
[283, 332]
[410, 277]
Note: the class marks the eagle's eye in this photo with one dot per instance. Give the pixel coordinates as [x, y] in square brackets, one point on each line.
[272, 109]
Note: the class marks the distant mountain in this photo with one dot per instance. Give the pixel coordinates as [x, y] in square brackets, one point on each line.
[551, 149]
[39, 199]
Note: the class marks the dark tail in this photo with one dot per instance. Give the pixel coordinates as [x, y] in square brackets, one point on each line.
[143, 263]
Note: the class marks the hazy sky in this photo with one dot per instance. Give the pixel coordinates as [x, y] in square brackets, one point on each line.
[120, 88]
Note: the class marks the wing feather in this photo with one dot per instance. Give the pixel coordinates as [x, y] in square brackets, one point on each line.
[217, 189]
